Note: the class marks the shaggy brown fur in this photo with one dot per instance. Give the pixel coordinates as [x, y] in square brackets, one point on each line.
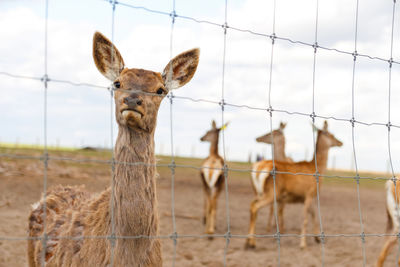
[291, 188]
[213, 178]
[78, 224]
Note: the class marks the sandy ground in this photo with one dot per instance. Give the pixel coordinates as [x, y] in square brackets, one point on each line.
[21, 183]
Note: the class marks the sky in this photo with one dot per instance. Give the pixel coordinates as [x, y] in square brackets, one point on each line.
[80, 116]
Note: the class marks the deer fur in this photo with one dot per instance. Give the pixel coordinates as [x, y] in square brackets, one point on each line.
[213, 177]
[393, 213]
[71, 212]
[277, 139]
[291, 188]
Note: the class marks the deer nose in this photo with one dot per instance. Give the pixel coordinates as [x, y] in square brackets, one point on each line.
[133, 100]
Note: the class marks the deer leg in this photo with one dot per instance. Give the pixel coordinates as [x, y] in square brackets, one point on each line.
[280, 217]
[256, 204]
[205, 211]
[307, 204]
[211, 212]
[315, 223]
[390, 242]
[208, 213]
[270, 217]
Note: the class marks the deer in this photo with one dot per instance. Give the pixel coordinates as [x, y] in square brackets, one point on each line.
[393, 219]
[290, 188]
[277, 139]
[78, 224]
[212, 176]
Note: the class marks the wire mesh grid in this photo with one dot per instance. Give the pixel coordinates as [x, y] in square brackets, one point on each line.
[175, 236]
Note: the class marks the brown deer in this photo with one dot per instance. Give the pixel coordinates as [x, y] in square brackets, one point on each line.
[277, 138]
[393, 213]
[78, 223]
[212, 176]
[291, 188]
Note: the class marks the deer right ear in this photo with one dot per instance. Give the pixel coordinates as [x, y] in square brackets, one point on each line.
[282, 125]
[106, 56]
[213, 124]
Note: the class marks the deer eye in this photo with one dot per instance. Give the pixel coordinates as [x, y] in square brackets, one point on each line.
[117, 84]
[160, 91]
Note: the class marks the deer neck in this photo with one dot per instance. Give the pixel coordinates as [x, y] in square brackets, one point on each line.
[135, 204]
[279, 151]
[214, 146]
[321, 155]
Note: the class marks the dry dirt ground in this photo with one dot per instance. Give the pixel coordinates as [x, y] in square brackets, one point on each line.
[21, 184]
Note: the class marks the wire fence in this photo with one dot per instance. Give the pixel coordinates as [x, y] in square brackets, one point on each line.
[222, 103]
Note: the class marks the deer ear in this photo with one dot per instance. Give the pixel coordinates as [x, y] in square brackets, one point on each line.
[106, 56]
[325, 126]
[213, 124]
[315, 128]
[224, 126]
[282, 125]
[181, 69]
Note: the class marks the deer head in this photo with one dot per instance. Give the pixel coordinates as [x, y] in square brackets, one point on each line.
[138, 92]
[212, 134]
[277, 135]
[326, 138]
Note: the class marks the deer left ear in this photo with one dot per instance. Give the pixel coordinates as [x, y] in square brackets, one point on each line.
[181, 69]
[325, 126]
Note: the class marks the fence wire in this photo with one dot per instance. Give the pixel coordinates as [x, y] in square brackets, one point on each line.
[174, 236]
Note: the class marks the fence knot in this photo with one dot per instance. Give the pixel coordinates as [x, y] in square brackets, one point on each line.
[362, 237]
[174, 237]
[172, 166]
[354, 54]
[317, 175]
[45, 159]
[228, 235]
[45, 79]
[388, 125]
[225, 168]
[225, 27]
[173, 15]
[315, 46]
[390, 61]
[322, 237]
[269, 110]
[222, 103]
[273, 37]
[312, 116]
[277, 236]
[170, 96]
[273, 172]
[357, 178]
[352, 121]
[112, 239]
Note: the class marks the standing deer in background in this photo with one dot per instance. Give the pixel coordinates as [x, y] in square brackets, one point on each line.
[277, 139]
[212, 176]
[393, 213]
[73, 212]
[291, 188]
